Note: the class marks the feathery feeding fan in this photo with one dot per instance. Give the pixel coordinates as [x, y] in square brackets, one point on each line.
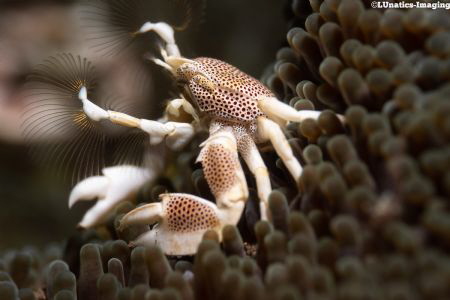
[111, 24]
[62, 136]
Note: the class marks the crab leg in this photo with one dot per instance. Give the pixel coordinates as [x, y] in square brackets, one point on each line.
[256, 165]
[277, 109]
[269, 130]
[177, 133]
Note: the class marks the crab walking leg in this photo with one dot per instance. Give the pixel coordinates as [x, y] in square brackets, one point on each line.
[277, 109]
[182, 218]
[256, 165]
[269, 130]
[117, 184]
[177, 133]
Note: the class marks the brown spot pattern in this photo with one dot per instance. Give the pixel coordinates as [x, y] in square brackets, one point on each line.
[185, 214]
[234, 96]
[232, 78]
[219, 165]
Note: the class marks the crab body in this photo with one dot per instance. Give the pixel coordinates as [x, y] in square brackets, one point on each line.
[240, 112]
[230, 100]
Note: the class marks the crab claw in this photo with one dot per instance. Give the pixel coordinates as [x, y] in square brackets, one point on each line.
[182, 220]
[117, 184]
[88, 189]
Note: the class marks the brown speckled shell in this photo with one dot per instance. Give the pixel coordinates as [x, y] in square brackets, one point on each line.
[185, 214]
[235, 93]
[219, 165]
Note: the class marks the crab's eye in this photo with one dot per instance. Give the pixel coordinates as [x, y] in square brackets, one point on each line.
[186, 71]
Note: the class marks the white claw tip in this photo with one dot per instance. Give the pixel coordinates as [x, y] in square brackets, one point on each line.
[145, 27]
[83, 93]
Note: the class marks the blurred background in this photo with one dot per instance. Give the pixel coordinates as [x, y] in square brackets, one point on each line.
[33, 203]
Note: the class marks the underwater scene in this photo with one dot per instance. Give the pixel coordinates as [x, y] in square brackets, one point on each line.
[201, 149]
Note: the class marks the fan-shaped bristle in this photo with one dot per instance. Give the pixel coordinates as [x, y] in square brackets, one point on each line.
[185, 14]
[111, 24]
[61, 135]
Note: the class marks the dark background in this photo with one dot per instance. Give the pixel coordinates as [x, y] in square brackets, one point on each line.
[33, 204]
